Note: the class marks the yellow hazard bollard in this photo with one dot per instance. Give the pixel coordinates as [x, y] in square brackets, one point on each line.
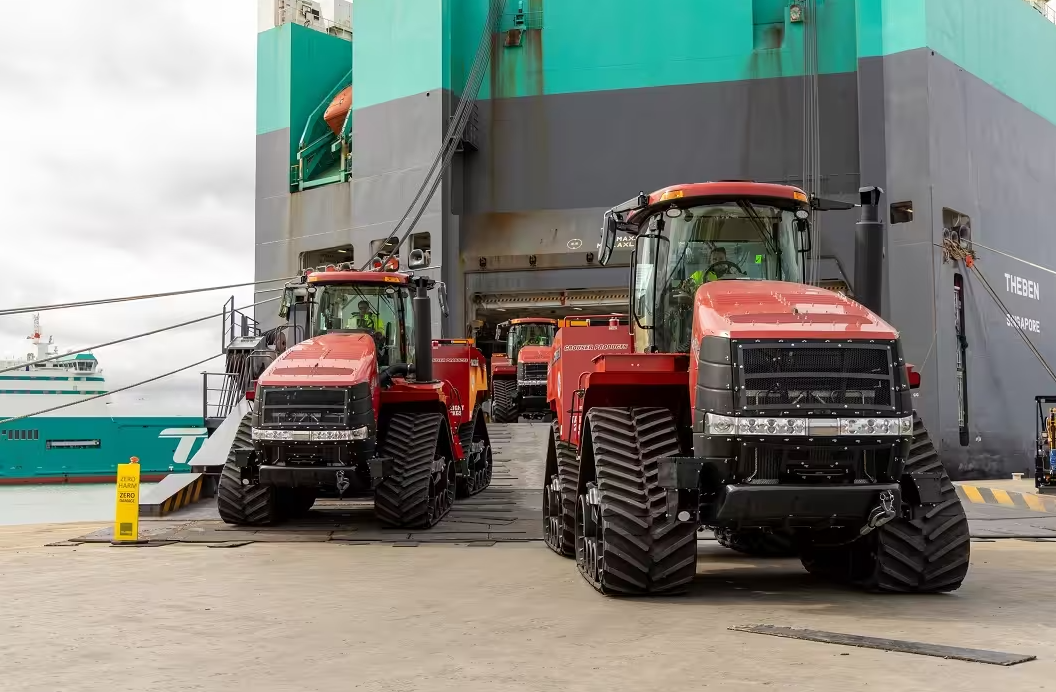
[126, 516]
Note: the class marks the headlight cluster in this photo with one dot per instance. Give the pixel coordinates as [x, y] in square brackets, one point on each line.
[876, 426]
[817, 427]
[269, 435]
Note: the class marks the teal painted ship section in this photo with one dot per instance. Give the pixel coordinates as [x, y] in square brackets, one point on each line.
[1006, 43]
[296, 68]
[399, 47]
[30, 450]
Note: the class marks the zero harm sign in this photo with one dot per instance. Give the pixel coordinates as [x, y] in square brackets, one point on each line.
[126, 516]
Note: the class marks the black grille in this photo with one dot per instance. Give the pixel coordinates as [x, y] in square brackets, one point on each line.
[534, 371]
[308, 407]
[816, 377]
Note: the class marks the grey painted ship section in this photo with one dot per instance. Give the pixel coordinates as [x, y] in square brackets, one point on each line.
[546, 167]
[955, 142]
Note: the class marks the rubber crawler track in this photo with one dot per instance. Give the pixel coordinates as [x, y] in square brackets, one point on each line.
[928, 552]
[756, 543]
[562, 540]
[416, 494]
[503, 410]
[641, 549]
[480, 470]
[244, 505]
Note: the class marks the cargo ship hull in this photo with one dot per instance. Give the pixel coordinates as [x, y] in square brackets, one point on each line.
[945, 104]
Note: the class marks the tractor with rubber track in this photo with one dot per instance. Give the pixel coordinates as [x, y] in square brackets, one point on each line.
[518, 377]
[776, 413]
[367, 404]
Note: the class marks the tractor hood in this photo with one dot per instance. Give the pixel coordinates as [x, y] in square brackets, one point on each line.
[328, 360]
[776, 309]
[535, 354]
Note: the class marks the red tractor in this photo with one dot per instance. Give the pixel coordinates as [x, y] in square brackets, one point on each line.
[745, 401]
[358, 408]
[518, 378]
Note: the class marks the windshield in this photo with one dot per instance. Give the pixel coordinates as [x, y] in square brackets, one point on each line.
[384, 311]
[530, 334]
[713, 242]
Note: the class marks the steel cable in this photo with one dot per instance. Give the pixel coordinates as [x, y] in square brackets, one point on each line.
[145, 296]
[954, 251]
[455, 129]
[57, 356]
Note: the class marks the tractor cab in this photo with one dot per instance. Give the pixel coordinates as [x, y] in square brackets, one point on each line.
[378, 303]
[526, 331]
[688, 236]
[519, 376]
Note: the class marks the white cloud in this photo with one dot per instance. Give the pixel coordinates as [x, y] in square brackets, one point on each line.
[128, 139]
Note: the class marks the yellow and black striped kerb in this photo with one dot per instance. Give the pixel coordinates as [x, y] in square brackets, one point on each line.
[187, 495]
[981, 495]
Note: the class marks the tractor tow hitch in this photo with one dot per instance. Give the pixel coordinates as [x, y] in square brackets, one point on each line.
[882, 513]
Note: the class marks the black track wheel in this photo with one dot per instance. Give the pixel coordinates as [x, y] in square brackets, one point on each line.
[239, 504]
[926, 552]
[245, 505]
[503, 410]
[929, 551]
[473, 435]
[626, 540]
[560, 496]
[757, 543]
[421, 488]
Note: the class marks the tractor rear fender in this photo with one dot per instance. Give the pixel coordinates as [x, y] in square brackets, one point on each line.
[634, 380]
[434, 397]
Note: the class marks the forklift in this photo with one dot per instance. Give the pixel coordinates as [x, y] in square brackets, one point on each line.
[1045, 439]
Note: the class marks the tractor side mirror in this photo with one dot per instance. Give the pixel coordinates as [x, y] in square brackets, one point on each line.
[441, 295]
[284, 307]
[801, 224]
[608, 238]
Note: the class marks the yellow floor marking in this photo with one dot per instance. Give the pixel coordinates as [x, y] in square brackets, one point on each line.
[1002, 497]
[1034, 502]
[973, 494]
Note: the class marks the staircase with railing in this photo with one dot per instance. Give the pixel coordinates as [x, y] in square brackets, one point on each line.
[323, 154]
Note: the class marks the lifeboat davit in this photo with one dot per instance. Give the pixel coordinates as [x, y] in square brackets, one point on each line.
[338, 109]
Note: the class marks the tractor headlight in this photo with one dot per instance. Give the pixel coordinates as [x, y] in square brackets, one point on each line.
[814, 427]
[269, 435]
[876, 426]
[266, 435]
[731, 425]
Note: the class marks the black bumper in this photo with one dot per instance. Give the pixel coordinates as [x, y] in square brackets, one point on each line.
[770, 504]
[323, 476]
[530, 397]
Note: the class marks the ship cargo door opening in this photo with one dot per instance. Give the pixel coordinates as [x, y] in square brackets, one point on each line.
[487, 311]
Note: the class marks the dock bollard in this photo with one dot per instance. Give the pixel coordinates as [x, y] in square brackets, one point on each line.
[126, 514]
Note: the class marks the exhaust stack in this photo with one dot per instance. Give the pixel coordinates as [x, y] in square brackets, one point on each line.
[869, 251]
[423, 330]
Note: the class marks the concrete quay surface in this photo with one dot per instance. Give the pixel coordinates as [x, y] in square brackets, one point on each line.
[307, 614]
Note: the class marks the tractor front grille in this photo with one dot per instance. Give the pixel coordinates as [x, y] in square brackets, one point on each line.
[815, 377]
[296, 407]
[533, 372]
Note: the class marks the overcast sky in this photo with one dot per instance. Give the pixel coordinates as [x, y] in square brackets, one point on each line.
[127, 141]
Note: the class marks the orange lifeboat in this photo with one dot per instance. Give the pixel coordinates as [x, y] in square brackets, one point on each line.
[338, 109]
